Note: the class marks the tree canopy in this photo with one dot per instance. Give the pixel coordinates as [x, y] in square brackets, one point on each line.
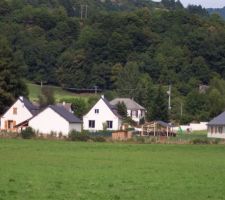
[130, 47]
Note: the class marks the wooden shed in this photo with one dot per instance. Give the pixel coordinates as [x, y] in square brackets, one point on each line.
[121, 135]
[157, 128]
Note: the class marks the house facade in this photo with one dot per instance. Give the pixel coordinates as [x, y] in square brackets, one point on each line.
[20, 111]
[134, 110]
[216, 127]
[102, 116]
[55, 119]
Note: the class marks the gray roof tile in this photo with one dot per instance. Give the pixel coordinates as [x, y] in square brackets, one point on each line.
[130, 104]
[32, 108]
[65, 114]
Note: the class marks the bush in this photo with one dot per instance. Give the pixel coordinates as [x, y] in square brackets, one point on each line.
[200, 141]
[98, 139]
[79, 136]
[216, 141]
[28, 133]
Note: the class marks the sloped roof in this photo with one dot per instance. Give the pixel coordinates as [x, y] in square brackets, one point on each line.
[164, 124]
[68, 116]
[67, 106]
[111, 107]
[219, 120]
[130, 104]
[31, 107]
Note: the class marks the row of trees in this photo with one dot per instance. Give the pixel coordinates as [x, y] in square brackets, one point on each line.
[130, 49]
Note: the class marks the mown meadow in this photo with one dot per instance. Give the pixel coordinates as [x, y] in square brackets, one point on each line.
[36, 169]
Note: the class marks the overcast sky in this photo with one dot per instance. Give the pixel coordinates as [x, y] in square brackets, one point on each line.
[204, 3]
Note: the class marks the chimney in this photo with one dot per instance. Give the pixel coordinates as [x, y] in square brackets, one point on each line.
[64, 103]
[103, 96]
[21, 98]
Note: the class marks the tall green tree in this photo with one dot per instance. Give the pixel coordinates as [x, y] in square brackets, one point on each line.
[122, 109]
[11, 73]
[160, 105]
[127, 80]
[46, 97]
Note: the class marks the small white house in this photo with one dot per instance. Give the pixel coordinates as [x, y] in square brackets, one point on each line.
[216, 127]
[102, 116]
[20, 111]
[134, 110]
[55, 119]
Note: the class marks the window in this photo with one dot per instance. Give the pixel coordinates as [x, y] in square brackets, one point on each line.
[15, 111]
[10, 124]
[220, 129]
[136, 113]
[91, 123]
[109, 124]
[96, 111]
[211, 129]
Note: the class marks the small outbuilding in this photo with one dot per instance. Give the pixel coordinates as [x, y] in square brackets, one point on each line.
[157, 128]
[121, 135]
[216, 127]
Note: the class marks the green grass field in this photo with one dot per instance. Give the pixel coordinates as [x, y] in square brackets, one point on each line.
[35, 90]
[40, 170]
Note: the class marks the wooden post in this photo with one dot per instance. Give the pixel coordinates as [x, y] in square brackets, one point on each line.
[167, 131]
[154, 129]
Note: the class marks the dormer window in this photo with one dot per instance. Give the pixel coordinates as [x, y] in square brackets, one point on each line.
[96, 111]
[15, 111]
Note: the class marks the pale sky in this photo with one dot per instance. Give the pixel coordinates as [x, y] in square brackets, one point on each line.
[204, 3]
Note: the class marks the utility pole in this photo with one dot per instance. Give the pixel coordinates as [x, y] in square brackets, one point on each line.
[86, 11]
[96, 89]
[181, 109]
[83, 11]
[169, 94]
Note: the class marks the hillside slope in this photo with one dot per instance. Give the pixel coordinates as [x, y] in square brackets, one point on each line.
[220, 11]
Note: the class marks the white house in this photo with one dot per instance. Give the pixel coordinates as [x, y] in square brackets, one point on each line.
[134, 110]
[55, 119]
[20, 111]
[216, 127]
[102, 116]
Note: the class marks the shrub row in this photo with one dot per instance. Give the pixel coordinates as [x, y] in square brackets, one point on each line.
[84, 136]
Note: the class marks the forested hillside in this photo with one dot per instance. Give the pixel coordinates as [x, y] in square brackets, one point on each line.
[128, 47]
[220, 11]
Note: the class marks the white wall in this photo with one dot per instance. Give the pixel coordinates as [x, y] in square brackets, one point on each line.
[105, 114]
[49, 121]
[216, 134]
[22, 114]
[199, 127]
[75, 126]
[202, 126]
[134, 118]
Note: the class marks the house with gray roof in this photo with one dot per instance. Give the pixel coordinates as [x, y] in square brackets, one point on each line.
[216, 127]
[55, 119]
[102, 116]
[21, 110]
[134, 110]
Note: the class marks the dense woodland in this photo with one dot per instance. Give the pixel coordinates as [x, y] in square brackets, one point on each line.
[220, 11]
[126, 48]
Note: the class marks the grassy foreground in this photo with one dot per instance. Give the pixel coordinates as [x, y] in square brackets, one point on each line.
[66, 170]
